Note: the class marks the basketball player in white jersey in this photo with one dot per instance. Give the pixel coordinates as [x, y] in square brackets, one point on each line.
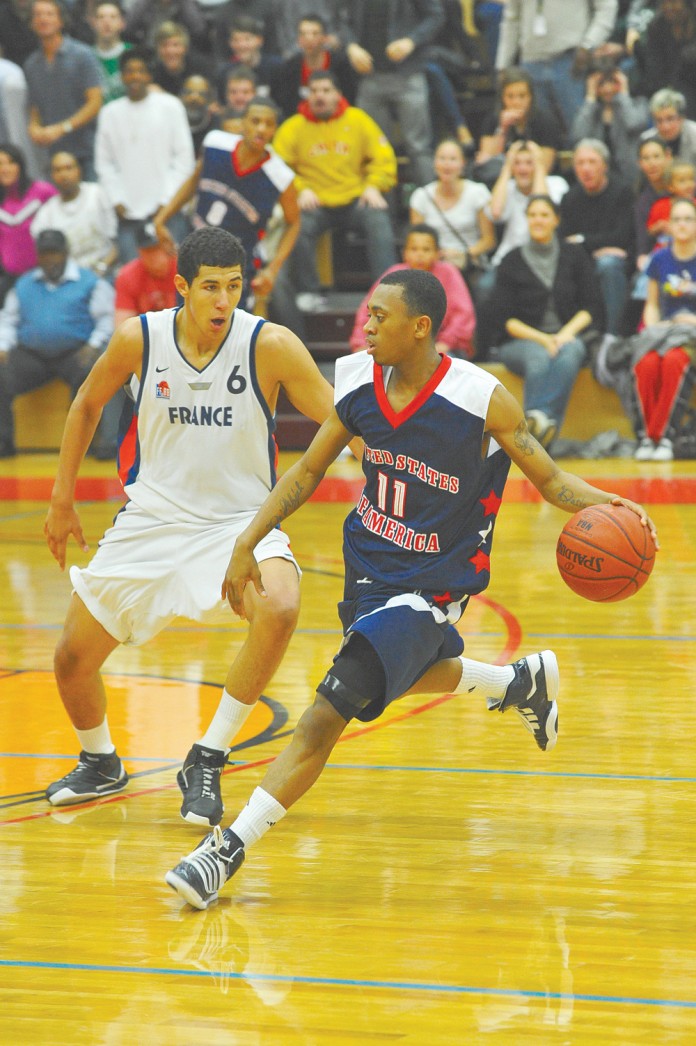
[439, 436]
[196, 461]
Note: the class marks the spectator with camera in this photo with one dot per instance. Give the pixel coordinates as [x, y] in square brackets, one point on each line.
[555, 40]
[610, 114]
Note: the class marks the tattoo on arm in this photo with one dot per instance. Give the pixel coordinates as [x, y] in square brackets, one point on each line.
[523, 439]
[289, 503]
[566, 496]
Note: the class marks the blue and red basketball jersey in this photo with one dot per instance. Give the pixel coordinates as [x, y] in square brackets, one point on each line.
[425, 519]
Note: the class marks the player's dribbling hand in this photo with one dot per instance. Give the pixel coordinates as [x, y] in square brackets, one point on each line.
[644, 517]
[241, 570]
[59, 525]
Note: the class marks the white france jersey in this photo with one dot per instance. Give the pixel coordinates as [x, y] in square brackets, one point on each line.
[200, 447]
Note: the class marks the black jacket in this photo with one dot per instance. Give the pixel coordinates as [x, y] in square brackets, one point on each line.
[418, 19]
[519, 294]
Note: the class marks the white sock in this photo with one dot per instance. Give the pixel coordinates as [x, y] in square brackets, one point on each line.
[260, 813]
[97, 740]
[226, 723]
[484, 680]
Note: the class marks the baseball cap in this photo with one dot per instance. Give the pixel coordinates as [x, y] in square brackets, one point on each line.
[51, 240]
[146, 235]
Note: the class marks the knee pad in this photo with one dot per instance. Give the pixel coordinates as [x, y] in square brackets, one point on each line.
[356, 678]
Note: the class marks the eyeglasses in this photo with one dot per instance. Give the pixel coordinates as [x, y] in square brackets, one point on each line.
[683, 218]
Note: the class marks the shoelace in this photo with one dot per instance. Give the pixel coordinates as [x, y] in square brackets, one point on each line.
[209, 862]
[81, 768]
[207, 787]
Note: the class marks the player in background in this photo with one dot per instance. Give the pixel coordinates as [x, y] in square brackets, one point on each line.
[239, 179]
[196, 463]
[439, 436]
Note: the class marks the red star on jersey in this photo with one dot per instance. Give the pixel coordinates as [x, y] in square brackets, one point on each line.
[481, 560]
[491, 504]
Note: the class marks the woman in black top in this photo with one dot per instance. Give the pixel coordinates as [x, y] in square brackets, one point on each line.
[546, 294]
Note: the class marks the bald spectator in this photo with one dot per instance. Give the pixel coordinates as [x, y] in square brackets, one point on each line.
[198, 99]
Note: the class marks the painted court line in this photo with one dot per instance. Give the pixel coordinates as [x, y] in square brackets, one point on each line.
[672, 490]
[347, 982]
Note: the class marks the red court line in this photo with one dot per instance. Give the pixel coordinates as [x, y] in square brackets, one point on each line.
[676, 490]
[233, 769]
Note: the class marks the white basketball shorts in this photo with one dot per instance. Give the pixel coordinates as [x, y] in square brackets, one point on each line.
[145, 572]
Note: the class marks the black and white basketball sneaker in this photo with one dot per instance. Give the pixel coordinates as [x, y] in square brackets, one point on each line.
[95, 775]
[198, 877]
[533, 693]
[199, 781]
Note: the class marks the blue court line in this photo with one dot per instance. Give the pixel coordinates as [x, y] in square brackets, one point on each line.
[348, 982]
[514, 773]
[573, 775]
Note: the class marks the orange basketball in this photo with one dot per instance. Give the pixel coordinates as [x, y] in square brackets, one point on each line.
[605, 553]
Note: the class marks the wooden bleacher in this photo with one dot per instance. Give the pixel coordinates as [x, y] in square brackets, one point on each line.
[40, 415]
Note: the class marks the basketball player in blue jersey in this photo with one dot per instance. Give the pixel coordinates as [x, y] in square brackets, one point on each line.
[238, 180]
[439, 435]
[196, 462]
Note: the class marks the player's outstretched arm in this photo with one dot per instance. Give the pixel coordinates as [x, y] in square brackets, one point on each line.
[507, 424]
[291, 491]
[122, 358]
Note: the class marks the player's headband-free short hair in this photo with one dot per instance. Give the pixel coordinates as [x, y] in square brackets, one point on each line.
[422, 294]
[209, 246]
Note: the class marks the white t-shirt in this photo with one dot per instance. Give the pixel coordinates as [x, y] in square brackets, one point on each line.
[88, 221]
[457, 226]
[143, 152]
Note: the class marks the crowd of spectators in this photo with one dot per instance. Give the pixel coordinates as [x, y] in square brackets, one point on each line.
[125, 121]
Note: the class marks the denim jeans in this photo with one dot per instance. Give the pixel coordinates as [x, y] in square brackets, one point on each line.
[548, 380]
[375, 226]
[179, 226]
[404, 96]
[556, 87]
[613, 282]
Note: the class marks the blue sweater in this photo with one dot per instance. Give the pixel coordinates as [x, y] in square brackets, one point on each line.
[55, 318]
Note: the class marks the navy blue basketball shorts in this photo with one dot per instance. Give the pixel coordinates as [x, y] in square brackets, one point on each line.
[391, 639]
